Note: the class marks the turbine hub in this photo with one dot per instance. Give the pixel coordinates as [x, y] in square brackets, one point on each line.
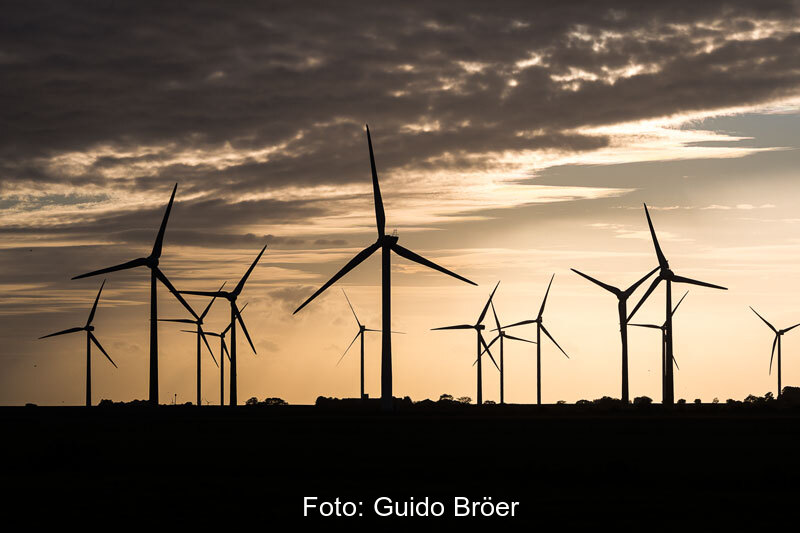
[388, 240]
[89, 328]
[152, 262]
[480, 327]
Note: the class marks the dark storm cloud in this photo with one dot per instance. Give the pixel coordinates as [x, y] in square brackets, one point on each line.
[207, 77]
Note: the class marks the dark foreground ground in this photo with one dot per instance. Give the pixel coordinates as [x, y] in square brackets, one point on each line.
[250, 467]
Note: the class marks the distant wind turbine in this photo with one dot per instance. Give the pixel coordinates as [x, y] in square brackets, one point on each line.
[151, 262]
[622, 310]
[231, 296]
[670, 277]
[223, 351]
[90, 338]
[663, 329]
[200, 335]
[500, 336]
[539, 329]
[778, 334]
[361, 330]
[482, 346]
[387, 244]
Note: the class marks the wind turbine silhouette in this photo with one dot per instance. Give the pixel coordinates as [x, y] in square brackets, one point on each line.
[387, 244]
[478, 327]
[90, 338]
[231, 296]
[663, 329]
[151, 262]
[223, 351]
[670, 277]
[361, 330]
[539, 329]
[200, 335]
[778, 334]
[622, 310]
[503, 335]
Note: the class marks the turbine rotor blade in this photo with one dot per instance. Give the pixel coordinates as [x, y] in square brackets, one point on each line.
[178, 320]
[244, 328]
[160, 237]
[490, 343]
[411, 256]
[790, 328]
[168, 284]
[354, 262]
[380, 215]
[208, 307]
[94, 307]
[142, 261]
[765, 321]
[652, 326]
[64, 332]
[523, 323]
[205, 340]
[496, 320]
[348, 348]
[210, 294]
[239, 286]
[486, 349]
[772, 355]
[518, 339]
[460, 326]
[351, 308]
[682, 279]
[554, 341]
[488, 303]
[541, 309]
[679, 303]
[606, 286]
[630, 290]
[97, 343]
[662, 261]
[649, 291]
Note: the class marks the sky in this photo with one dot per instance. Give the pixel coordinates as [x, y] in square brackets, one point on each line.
[513, 140]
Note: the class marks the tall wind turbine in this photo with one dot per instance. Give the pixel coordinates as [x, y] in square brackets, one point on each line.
[235, 315]
[778, 334]
[200, 335]
[482, 346]
[501, 334]
[361, 330]
[151, 262]
[670, 277]
[90, 338]
[223, 351]
[622, 310]
[387, 244]
[663, 329]
[539, 329]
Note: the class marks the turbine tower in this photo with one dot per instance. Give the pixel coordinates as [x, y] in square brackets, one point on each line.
[236, 314]
[663, 329]
[90, 338]
[478, 327]
[387, 244]
[539, 329]
[778, 334]
[669, 277]
[200, 335]
[151, 262]
[501, 335]
[622, 311]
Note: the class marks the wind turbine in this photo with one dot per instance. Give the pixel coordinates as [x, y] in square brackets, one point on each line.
[90, 338]
[663, 329]
[200, 335]
[503, 335]
[478, 327]
[387, 244]
[539, 329]
[231, 296]
[622, 310]
[151, 262]
[670, 277]
[361, 330]
[223, 351]
[778, 334]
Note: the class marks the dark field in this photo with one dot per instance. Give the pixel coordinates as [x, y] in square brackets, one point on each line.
[248, 467]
